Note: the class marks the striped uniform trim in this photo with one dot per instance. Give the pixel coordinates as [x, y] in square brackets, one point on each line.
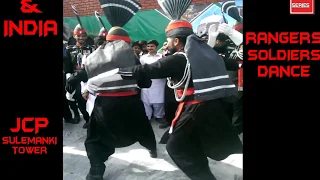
[215, 83]
[118, 34]
[134, 4]
[118, 5]
[75, 10]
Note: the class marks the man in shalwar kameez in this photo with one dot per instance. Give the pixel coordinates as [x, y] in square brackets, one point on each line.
[201, 127]
[153, 97]
[118, 118]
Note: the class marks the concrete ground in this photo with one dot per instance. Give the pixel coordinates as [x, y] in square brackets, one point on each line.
[134, 162]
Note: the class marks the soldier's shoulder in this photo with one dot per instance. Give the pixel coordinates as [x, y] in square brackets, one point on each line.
[176, 57]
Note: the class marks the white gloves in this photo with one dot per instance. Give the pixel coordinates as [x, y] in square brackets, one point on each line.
[91, 88]
[226, 29]
[109, 76]
[68, 75]
[84, 58]
[213, 33]
[83, 87]
[70, 96]
[233, 34]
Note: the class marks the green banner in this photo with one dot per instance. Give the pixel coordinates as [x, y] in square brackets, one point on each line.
[145, 25]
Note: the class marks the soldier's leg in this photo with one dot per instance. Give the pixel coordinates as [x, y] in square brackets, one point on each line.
[185, 150]
[147, 138]
[83, 109]
[148, 109]
[66, 110]
[237, 119]
[74, 107]
[145, 132]
[170, 109]
[98, 152]
[82, 103]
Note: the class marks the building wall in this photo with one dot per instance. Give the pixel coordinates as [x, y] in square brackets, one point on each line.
[87, 7]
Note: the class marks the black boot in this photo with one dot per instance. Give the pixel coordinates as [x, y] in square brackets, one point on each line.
[85, 126]
[161, 120]
[96, 172]
[76, 120]
[164, 125]
[153, 153]
[68, 120]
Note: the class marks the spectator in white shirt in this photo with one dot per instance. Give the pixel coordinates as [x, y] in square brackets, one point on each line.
[153, 97]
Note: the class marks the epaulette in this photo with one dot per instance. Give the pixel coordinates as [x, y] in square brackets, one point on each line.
[89, 46]
[70, 47]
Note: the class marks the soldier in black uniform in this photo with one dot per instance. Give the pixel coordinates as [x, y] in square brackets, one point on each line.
[66, 110]
[237, 117]
[224, 45]
[98, 41]
[235, 35]
[67, 116]
[73, 63]
[237, 57]
[170, 107]
[102, 33]
[118, 118]
[201, 83]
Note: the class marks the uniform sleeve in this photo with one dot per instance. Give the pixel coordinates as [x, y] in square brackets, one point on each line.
[76, 78]
[165, 67]
[144, 82]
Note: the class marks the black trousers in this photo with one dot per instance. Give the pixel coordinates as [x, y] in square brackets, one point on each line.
[170, 110]
[237, 118]
[117, 122]
[80, 104]
[203, 130]
[66, 110]
[233, 108]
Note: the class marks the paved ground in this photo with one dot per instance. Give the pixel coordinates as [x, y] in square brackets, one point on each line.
[134, 162]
